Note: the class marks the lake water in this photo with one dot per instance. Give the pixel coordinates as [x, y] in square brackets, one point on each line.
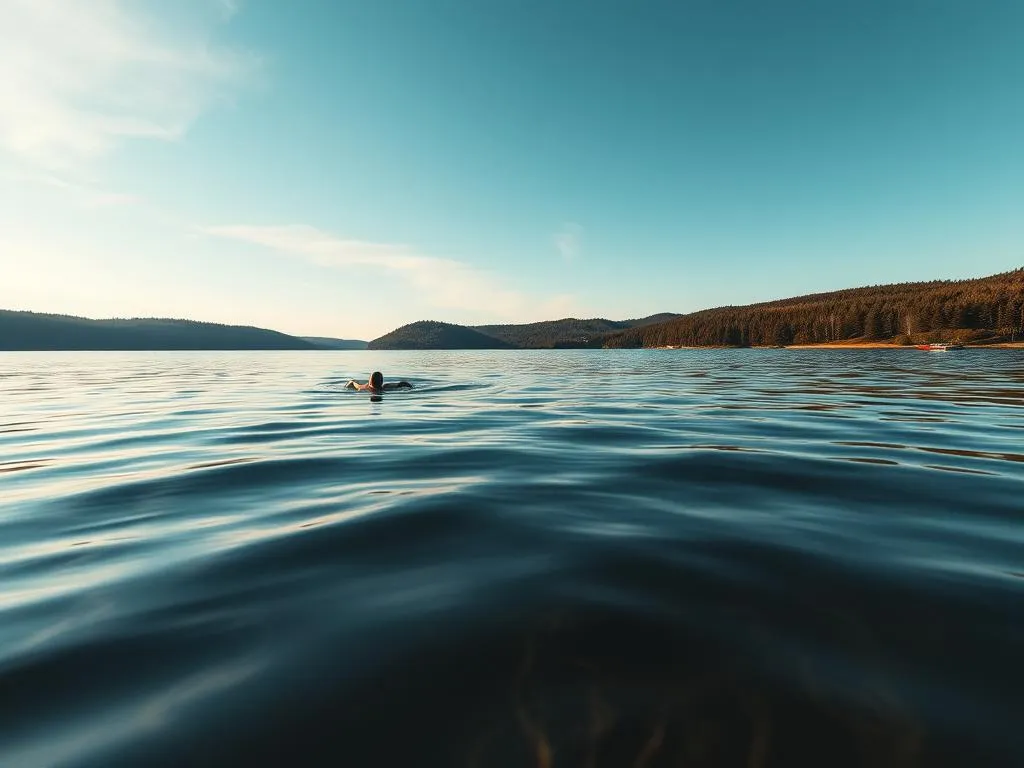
[587, 558]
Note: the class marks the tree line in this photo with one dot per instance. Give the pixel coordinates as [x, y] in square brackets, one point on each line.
[568, 333]
[35, 331]
[958, 310]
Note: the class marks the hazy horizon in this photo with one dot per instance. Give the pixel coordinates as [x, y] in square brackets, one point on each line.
[432, 319]
[343, 170]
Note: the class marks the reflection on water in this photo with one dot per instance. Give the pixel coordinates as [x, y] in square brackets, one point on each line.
[745, 558]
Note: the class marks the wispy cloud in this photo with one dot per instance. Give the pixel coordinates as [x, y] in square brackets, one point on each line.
[83, 194]
[78, 77]
[229, 8]
[443, 283]
[569, 240]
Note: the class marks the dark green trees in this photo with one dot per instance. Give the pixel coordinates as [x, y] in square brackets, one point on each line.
[911, 310]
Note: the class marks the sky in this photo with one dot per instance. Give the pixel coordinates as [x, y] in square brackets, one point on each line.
[343, 168]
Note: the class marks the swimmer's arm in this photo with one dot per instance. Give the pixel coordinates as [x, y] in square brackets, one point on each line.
[398, 385]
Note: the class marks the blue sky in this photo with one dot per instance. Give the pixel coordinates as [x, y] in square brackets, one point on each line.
[343, 168]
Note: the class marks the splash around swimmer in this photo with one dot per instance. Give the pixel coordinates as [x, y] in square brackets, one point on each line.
[376, 384]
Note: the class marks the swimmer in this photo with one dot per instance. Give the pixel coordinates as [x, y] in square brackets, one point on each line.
[376, 384]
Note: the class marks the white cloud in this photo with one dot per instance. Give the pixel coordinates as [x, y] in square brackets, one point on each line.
[569, 240]
[444, 283]
[229, 8]
[81, 75]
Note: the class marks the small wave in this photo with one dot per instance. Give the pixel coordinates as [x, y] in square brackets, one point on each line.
[712, 558]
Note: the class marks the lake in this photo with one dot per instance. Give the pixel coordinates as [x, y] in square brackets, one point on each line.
[585, 558]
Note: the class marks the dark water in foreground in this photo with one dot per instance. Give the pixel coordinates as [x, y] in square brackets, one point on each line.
[597, 558]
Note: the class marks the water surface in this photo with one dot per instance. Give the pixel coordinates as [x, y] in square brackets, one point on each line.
[548, 558]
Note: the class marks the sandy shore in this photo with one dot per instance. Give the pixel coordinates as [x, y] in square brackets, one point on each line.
[836, 345]
[886, 345]
[863, 345]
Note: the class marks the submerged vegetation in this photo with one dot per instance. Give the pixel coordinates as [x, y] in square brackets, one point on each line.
[583, 695]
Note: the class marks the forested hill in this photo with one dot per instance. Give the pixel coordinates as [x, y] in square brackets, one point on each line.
[905, 313]
[325, 342]
[431, 334]
[566, 333]
[33, 331]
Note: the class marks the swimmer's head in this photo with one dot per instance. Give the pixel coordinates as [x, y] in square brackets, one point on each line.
[376, 379]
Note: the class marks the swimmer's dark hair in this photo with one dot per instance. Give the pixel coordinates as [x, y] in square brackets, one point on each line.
[376, 379]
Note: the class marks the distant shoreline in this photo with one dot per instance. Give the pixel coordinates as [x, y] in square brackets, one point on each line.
[858, 345]
[883, 345]
[838, 345]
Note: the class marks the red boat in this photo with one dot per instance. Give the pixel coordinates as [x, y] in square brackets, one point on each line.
[939, 347]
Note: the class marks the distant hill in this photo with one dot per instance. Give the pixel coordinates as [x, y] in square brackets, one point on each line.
[979, 310]
[550, 334]
[989, 308]
[324, 342]
[566, 333]
[34, 331]
[430, 334]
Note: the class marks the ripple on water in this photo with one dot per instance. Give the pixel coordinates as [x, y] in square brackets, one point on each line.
[727, 557]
